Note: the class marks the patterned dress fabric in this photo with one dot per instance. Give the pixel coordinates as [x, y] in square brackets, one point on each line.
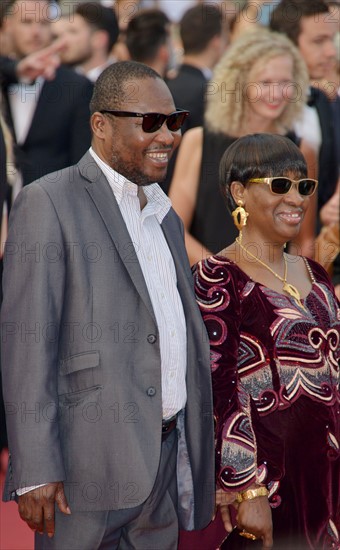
[275, 370]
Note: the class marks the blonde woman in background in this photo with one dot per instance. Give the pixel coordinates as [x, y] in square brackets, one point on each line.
[259, 85]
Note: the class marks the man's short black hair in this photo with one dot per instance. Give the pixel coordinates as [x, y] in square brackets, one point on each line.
[198, 26]
[109, 90]
[100, 18]
[286, 17]
[146, 32]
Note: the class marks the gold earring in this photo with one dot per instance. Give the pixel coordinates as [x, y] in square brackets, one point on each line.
[240, 217]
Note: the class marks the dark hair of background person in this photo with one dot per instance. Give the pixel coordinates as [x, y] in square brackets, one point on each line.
[6, 5]
[259, 156]
[109, 90]
[286, 17]
[100, 18]
[198, 26]
[146, 33]
[4, 9]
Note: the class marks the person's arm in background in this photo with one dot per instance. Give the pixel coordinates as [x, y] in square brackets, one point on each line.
[42, 63]
[184, 188]
[327, 242]
[330, 212]
[304, 243]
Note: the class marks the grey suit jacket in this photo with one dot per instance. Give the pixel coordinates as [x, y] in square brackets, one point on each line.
[81, 357]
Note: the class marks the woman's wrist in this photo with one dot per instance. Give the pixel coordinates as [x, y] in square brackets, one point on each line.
[250, 494]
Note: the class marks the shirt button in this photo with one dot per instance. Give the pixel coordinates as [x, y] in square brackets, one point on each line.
[151, 338]
[151, 391]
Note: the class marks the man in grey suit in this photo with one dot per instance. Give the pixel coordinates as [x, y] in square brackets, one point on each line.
[105, 358]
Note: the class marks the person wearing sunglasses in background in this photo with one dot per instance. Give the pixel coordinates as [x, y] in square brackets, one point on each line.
[118, 372]
[274, 329]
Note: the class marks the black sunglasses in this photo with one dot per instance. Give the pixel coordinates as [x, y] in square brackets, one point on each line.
[282, 185]
[153, 121]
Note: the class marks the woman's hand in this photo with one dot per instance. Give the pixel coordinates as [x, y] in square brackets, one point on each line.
[255, 517]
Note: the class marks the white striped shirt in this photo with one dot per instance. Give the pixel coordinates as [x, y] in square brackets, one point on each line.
[158, 268]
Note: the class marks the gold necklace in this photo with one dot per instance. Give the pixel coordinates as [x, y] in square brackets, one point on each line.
[287, 287]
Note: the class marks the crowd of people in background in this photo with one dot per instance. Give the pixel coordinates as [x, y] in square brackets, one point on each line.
[240, 67]
[182, 41]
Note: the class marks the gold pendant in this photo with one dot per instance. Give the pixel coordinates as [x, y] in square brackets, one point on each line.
[293, 292]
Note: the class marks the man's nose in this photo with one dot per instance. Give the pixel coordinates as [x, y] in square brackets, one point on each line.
[165, 135]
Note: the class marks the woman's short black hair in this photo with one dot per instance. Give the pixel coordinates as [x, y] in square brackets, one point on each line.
[259, 156]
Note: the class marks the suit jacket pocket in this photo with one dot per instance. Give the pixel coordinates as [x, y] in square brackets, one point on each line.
[91, 395]
[79, 372]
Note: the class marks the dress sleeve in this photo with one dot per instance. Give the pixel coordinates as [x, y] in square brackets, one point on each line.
[219, 296]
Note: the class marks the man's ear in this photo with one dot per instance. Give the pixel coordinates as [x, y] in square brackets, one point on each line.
[237, 190]
[100, 40]
[98, 125]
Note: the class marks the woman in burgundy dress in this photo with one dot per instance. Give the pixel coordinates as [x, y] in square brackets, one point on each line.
[274, 327]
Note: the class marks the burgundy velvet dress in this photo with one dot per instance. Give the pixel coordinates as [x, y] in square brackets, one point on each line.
[275, 371]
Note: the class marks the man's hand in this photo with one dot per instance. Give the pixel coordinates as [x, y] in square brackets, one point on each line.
[42, 63]
[36, 507]
[223, 501]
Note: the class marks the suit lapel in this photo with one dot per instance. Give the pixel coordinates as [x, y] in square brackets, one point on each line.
[8, 113]
[107, 206]
[43, 107]
[40, 116]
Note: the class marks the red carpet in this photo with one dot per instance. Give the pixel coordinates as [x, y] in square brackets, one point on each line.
[14, 533]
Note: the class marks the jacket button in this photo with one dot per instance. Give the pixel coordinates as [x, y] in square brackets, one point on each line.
[151, 338]
[151, 391]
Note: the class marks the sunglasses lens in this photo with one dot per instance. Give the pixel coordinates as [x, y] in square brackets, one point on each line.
[281, 186]
[152, 122]
[176, 121]
[306, 187]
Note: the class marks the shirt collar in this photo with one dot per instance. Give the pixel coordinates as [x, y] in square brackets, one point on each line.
[158, 202]
[207, 73]
[95, 72]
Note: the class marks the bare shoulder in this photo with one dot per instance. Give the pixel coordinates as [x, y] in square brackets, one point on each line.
[194, 135]
[192, 141]
[185, 181]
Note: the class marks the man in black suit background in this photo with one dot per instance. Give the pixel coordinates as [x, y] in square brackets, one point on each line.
[49, 119]
[310, 26]
[204, 37]
[149, 41]
[90, 31]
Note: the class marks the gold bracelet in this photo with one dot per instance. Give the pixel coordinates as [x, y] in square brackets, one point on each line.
[252, 493]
